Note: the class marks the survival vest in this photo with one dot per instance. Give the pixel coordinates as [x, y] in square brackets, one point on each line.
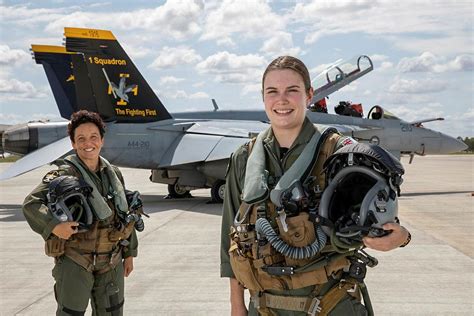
[260, 267]
[100, 248]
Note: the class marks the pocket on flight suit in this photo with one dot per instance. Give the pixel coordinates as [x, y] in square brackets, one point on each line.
[301, 233]
[108, 292]
[242, 268]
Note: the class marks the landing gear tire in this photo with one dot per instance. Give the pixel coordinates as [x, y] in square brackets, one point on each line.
[177, 192]
[217, 191]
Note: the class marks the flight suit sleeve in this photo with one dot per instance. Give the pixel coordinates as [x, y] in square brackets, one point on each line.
[132, 248]
[36, 210]
[233, 189]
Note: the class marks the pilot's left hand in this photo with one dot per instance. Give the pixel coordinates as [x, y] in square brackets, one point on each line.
[395, 239]
[127, 266]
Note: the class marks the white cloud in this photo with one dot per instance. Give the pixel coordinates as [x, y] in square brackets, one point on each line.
[378, 57]
[12, 57]
[438, 26]
[350, 87]
[428, 62]
[231, 68]
[226, 41]
[181, 94]
[172, 56]
[24, 16]
[169, 80]
[385, 65]
[250, 18]
[252, 89]
[176, 18]
[417, 86]
[280, 44]
[13, 89]
[199, 95]
[198, 84]
[136, 52]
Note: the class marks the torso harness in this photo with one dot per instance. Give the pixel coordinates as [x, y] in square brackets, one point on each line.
[277, 242]
[98, 249]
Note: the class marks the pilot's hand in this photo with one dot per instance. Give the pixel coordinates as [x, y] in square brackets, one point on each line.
[388, 242]
[127, 266]
[65, 230]
[237, 302]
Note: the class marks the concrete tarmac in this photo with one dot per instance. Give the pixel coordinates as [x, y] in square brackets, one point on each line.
[177, 270]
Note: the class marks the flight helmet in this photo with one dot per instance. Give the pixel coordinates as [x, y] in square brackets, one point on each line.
[67, 201]
[362, 184]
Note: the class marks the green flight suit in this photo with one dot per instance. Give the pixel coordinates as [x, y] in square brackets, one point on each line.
[74, 284]
[232, 199]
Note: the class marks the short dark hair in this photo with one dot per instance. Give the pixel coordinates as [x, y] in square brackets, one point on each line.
[81, 117]
[293, 63]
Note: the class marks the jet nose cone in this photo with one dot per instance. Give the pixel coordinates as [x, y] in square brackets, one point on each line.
[452, 145]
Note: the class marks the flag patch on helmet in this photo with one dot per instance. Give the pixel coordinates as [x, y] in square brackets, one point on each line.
[348, 141]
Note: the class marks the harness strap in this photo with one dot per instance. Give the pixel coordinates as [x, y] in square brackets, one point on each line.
[336, 294]
[311, 305]
[89, 264]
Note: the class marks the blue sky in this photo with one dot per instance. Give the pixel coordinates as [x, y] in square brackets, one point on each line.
[192, 51]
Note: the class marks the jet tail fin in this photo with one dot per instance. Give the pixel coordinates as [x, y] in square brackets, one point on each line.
[121, 93]
[57, 65]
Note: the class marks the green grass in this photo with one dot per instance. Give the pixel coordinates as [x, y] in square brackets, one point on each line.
[10, 158]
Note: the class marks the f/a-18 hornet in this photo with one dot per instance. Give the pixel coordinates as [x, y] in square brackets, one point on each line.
[184, 150]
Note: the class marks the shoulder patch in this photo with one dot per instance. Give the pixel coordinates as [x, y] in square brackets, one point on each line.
[63, 170]
[50, 176]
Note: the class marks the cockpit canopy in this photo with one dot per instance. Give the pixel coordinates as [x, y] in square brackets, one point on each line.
[377, 113]
[339, 75]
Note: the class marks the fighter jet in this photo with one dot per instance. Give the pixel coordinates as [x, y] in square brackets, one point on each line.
[187, 150]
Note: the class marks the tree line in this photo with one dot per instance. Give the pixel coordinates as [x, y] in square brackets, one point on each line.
[469, 141]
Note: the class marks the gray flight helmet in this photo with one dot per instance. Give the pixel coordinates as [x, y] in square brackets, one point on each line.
[67, 201]
[362, 183]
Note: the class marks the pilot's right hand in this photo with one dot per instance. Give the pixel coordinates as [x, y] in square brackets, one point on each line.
[65, 230]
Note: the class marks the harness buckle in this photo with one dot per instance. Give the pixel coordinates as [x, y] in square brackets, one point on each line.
[255, 300]
[314, 307]
[344, 282]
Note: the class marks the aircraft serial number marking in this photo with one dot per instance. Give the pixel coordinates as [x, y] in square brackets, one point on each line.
[107, 61]
[139, 144]
[93, 33]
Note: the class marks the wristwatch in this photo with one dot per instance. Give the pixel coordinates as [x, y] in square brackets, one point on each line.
[406, 241]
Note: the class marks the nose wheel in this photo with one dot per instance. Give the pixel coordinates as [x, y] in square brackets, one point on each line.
[217, 191]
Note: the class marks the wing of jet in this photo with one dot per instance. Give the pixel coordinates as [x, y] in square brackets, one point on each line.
[185, 150]
[38, 158]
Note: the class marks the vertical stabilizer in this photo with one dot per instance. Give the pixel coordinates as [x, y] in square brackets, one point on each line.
[57, 64]
[120, 91]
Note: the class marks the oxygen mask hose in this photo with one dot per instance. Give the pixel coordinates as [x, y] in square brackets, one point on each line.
[263, 228]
